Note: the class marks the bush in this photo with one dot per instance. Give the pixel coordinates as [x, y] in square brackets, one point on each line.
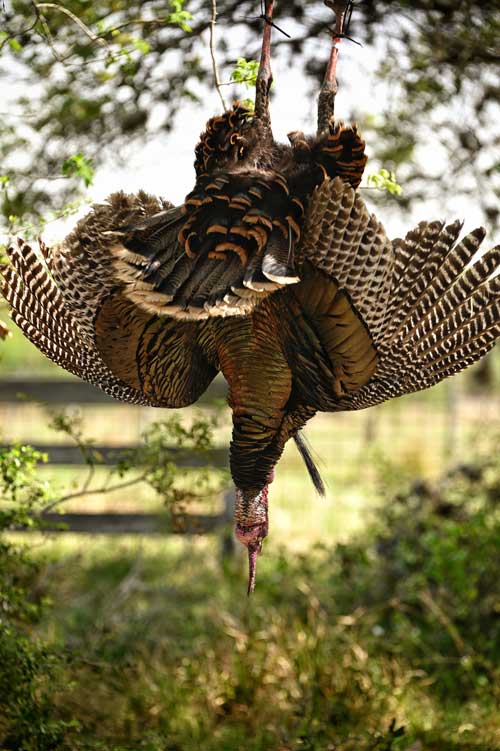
[28, 667]
[387, 643]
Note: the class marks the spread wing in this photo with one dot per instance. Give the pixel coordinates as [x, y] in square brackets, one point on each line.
[369, 319]
[397, 316]
[68, 302]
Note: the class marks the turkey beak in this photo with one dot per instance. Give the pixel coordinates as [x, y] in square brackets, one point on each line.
[252, 539]
[253, 552]
[252, 526]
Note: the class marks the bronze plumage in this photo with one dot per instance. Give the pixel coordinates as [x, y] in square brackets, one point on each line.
[272, 272]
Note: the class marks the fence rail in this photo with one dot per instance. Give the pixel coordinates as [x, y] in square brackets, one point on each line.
[136, 524]
[66, 391]
[64, 454]
[58, 391]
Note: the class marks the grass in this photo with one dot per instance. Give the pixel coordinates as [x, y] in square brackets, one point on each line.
[341, 647]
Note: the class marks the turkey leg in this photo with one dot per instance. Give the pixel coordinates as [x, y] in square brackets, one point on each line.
[264, 75]
[328, 91]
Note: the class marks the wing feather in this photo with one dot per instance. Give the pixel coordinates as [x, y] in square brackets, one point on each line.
[428, 310]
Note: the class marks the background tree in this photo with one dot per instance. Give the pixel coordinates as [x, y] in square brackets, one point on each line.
[102, 74]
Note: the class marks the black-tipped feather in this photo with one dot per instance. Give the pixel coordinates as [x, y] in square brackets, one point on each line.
[305, 453]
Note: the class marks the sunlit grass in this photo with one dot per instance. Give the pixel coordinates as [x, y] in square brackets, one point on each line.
[167, 646]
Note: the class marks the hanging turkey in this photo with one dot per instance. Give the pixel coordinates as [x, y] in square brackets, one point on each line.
[274, 274]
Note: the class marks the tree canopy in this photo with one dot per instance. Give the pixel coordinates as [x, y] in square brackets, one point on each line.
[94, 75]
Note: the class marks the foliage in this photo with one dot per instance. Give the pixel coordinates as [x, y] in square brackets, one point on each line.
[386, 643]
[32, 671]
[155, 463]
[94, 88]
[245, 72]
[180, 16]
[27, 666]
[384, 180]
[81, 167]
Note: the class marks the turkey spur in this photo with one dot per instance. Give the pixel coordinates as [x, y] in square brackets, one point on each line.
[273, 273]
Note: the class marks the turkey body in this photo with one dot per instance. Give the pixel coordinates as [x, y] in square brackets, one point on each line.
[273, 273]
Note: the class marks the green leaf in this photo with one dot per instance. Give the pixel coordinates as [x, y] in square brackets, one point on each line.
[245, 72]
[4, 181]
[141, 46]
[79, 166]
[179, 16]
[249, 104]
[384, 180]
[15, 45]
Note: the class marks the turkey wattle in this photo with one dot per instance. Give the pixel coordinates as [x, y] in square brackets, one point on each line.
[273, 273]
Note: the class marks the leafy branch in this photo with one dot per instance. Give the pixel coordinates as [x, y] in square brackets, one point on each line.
[384, 180]
[76, 166]
[179, 16]
[165, 444]
[79, 166]
[33, 229]
[245, 72]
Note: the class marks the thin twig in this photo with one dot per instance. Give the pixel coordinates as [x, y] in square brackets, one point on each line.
[94, 491]
[157, 22]
[89, 478]
[217, 82]
[17, 229]
[233, 83]
[75, 19]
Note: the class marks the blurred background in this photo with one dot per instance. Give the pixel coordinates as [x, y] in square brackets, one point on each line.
[375, 620]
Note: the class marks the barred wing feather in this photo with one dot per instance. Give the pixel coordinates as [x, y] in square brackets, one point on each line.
[428, 311]
[68, 302]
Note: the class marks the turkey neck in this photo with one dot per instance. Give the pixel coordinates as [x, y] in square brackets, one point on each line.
[253, 363]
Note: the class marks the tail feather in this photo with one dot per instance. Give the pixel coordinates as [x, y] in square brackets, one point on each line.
[311, 467]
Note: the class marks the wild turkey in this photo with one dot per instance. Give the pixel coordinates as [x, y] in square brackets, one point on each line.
[274, 273]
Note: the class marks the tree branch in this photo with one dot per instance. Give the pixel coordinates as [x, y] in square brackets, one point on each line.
[215, 69]
[23, 31]
[53, 6]
[94, 491]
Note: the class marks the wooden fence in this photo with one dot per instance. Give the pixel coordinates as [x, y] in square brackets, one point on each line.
[64, 392]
